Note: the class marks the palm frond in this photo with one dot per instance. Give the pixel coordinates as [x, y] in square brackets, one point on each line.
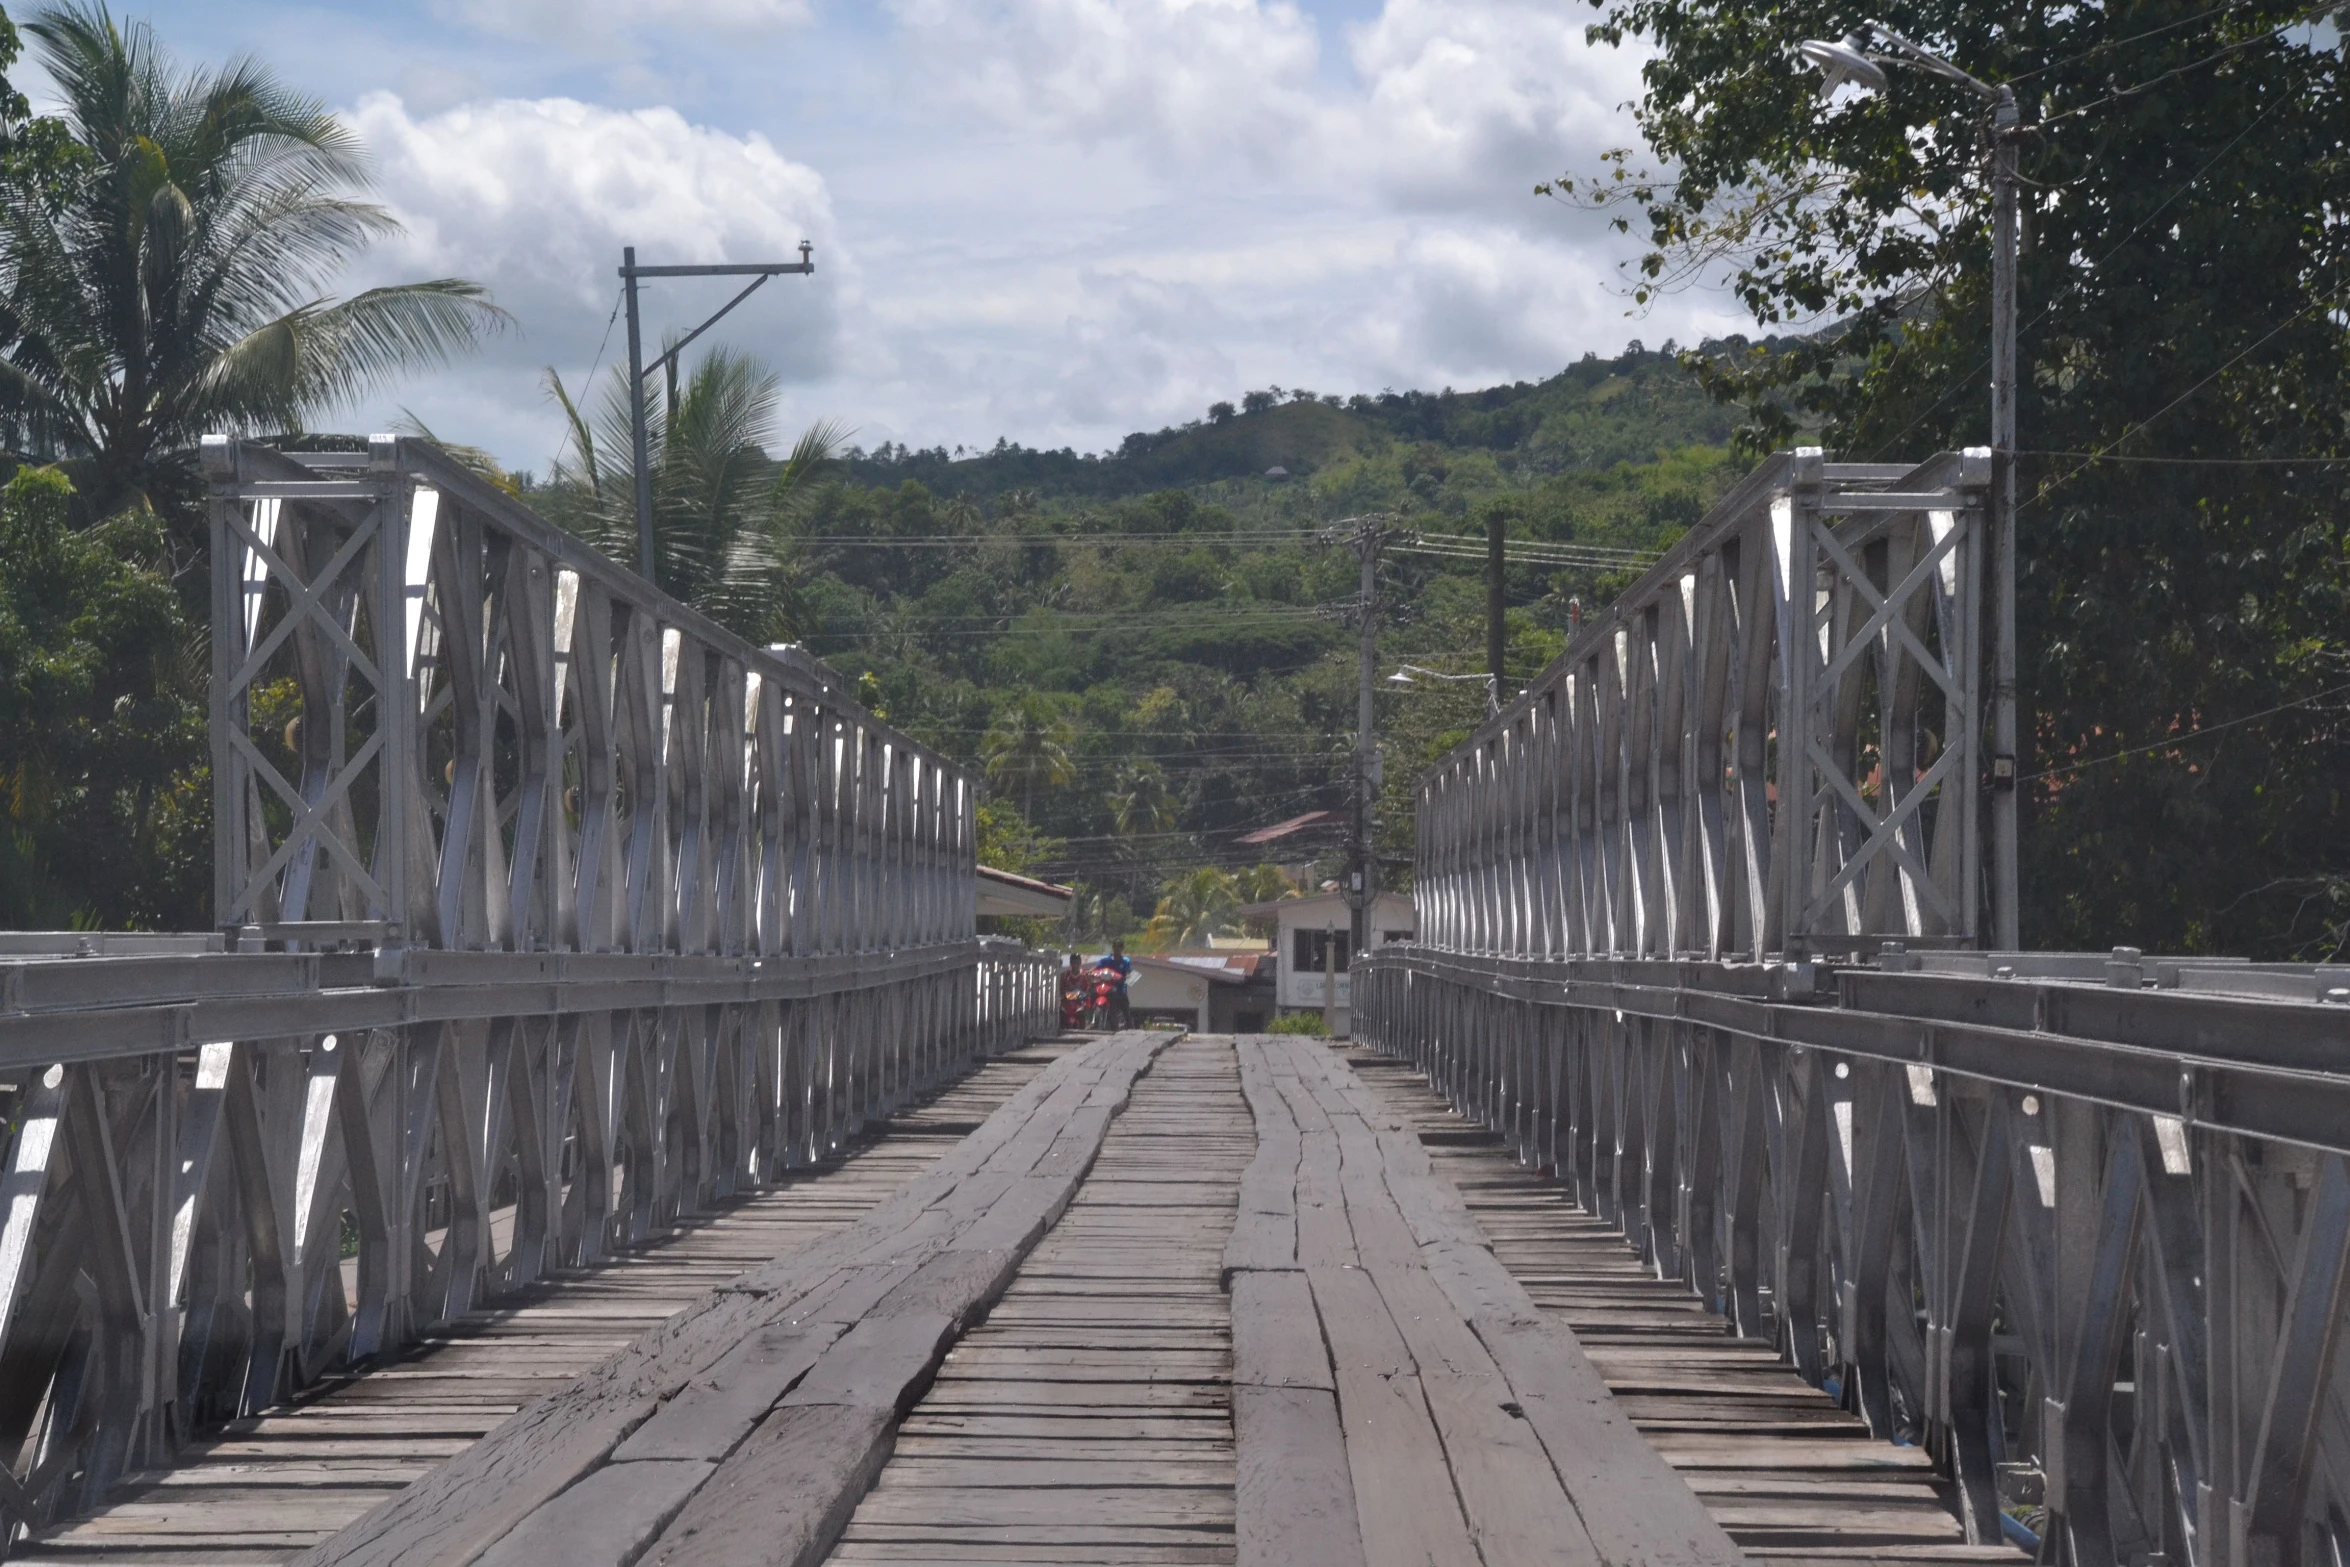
[583, 439]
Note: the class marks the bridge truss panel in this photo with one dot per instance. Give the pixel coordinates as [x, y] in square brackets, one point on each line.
[234, 1174]
[440, 721]
[2089, 1245]
[1771, 744]
[556, 914]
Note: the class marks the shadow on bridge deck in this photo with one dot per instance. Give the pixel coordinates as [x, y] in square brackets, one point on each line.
[1785, 1471]
[266, 1488]
[1399, 1399]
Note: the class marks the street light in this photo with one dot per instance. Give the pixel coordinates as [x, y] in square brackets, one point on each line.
[1852, 60]
[1403, 678]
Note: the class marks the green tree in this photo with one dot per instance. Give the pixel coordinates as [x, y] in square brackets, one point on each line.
[1198, 905]
[107, 815]
[1264, 884]
[1141, 803]
[2187, 202]
[1028, 747]
[722, 509]
[170, 281]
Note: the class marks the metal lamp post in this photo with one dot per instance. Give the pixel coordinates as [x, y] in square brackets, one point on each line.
[640, 438]
[1852, 60]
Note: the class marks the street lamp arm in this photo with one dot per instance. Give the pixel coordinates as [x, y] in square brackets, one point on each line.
[1404, 672]
[1919, 55]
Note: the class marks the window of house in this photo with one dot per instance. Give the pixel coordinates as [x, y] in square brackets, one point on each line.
[1395, 935]
[1312, 952]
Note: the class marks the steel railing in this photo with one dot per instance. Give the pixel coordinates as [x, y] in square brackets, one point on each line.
[551, 913]
[1812, 643]
[2077, 1225]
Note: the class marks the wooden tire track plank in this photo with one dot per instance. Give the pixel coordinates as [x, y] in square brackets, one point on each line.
[835, 1340]
[588, 1312]
[1089, 1418]
[1413, 1399]
[1790, 1475]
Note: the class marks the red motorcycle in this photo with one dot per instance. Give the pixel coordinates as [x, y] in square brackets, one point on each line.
[1103, 1012]
[1072, 1001]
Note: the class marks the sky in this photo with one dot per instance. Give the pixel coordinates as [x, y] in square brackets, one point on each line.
[1052, 221]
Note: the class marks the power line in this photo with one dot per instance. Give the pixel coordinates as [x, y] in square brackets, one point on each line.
[2114, 43]
[2238, 47]
[2242, 354]
[2200, 462]
[2081, 280]
[2169, 741]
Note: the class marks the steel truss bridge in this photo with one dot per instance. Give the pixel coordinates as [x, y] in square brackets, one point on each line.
[1698, 1190]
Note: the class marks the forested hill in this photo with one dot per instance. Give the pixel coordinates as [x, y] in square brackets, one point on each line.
[1594, 414]
[1140, 645]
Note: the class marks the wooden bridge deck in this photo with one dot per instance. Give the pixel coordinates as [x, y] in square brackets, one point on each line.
[267, 1488]
[1199, 1301]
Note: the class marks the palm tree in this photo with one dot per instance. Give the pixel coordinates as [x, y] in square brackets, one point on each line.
[722, 509]
[1029, 745]
[1264, 884]
[170, 283]
[1140, 802]
[1200, 905]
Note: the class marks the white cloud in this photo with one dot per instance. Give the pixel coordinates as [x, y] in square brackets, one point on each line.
[597, 26]
[1179, 78]
[536, 199]
[1052, 220]
[1466, 98]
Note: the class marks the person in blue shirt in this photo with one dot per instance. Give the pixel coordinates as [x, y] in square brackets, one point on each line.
[1123, 966]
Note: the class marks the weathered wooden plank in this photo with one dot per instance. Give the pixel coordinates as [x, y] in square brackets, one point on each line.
[604, 1521]
[476, 1498]
[1276, 1333]
[781, 1498]
[1295, 1489]
[1403, 1485]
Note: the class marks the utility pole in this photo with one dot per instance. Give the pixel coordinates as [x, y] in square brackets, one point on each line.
[1496, 597]
[1852, 61]
[639, 433]
[2006, 881]
[1367, 537]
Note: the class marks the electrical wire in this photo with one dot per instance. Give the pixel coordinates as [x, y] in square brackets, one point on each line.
[2169, 741]
[2273, 35]
[2080, 281]
[2113, 43]
[2199, 462]
[2237, 358]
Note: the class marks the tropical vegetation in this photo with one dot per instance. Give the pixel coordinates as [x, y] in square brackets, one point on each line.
[2184, 381]
[1143, 649]
[168, 239]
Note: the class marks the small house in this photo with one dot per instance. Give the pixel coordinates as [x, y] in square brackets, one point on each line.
[1208, 992]
[1312, 948]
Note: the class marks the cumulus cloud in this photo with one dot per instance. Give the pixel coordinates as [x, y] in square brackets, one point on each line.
[1465, 98]
[536, 199]
[595, 26]
[1179, 78]
[1053, 220]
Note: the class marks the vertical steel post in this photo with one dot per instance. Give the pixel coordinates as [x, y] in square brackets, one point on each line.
[2005, 892]
[639, 442]
[1496, 603]
[1366, 739]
